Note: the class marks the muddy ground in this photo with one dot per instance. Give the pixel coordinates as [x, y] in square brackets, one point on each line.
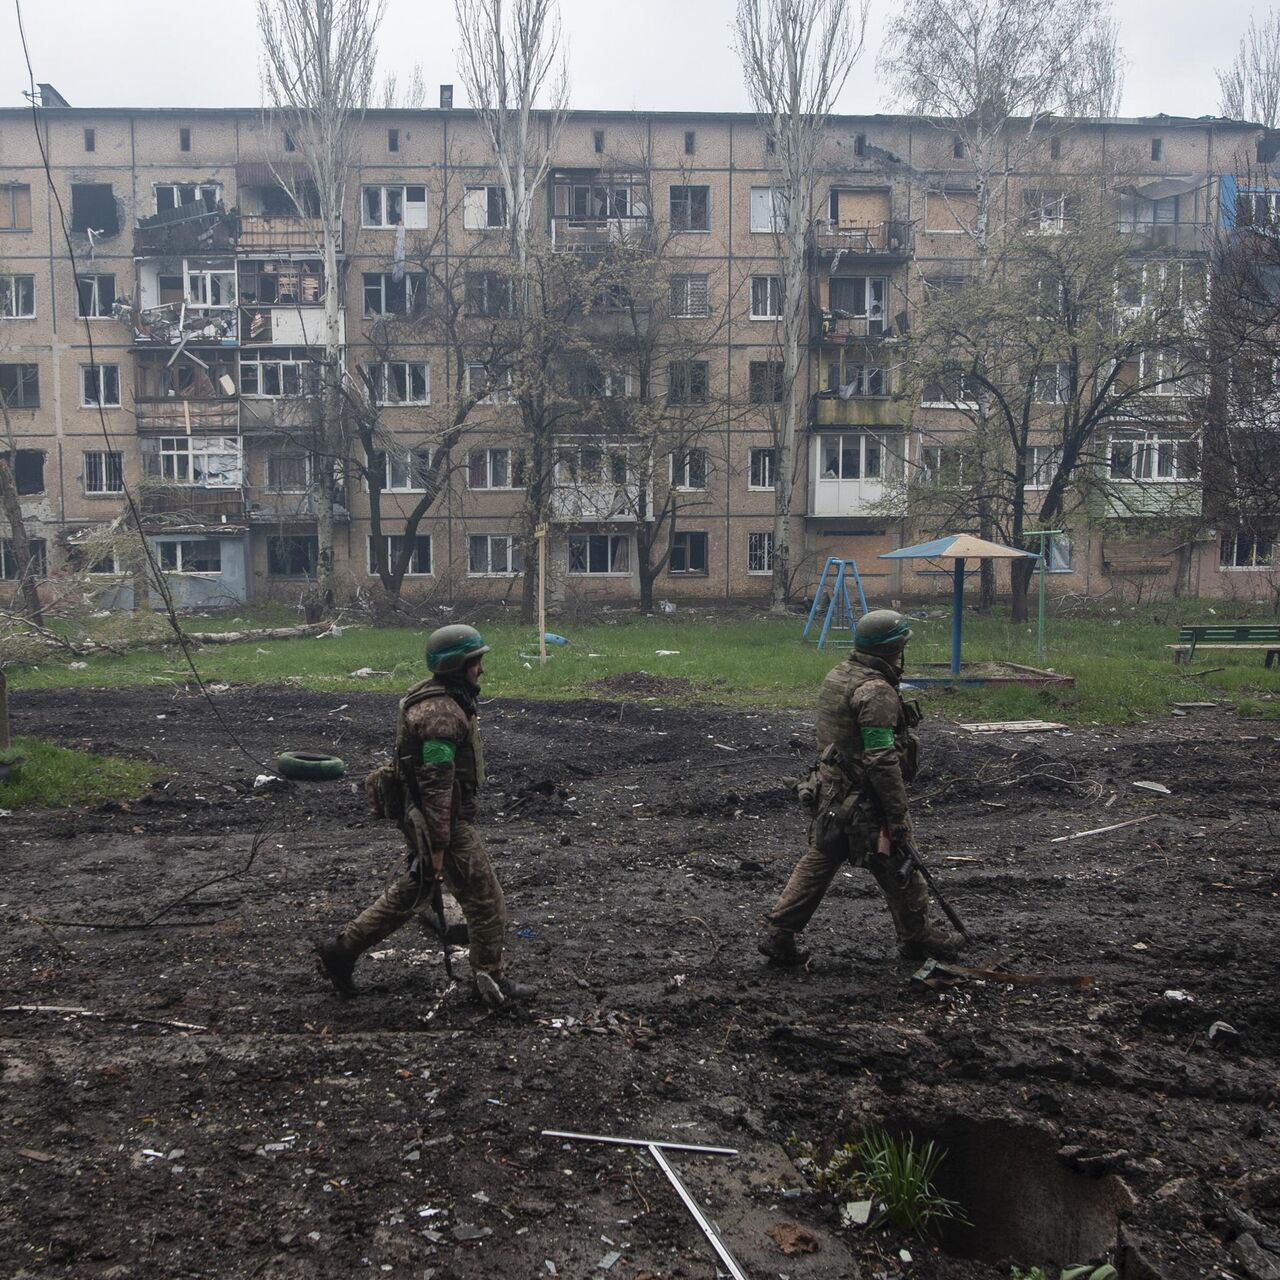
[285, 1132]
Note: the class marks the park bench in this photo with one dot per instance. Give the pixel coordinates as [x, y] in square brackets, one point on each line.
[1228, 635]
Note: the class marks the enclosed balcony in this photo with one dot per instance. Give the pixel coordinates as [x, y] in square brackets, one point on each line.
[194, 393]
[279, 209]
[592, 212]
[855, 473]
[862, 389]
[598, 482]
[184, 301]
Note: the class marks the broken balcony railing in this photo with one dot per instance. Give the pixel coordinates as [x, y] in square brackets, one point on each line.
[176, 323]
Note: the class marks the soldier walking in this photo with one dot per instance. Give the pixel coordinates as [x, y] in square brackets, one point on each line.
[867, 756]
[440, 762]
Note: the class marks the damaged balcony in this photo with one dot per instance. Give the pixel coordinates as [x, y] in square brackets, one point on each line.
[199, 227]
[592, 212]
[599, 483]
[282, 303]
[193, 480]
[852, 309]
[279, 210]
[862, 390]
[181, 301]
[860, 222]
[185, 392]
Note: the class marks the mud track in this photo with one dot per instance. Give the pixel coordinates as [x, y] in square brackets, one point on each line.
[639, 842]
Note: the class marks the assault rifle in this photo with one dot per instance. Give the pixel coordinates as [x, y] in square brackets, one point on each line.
[911, 860]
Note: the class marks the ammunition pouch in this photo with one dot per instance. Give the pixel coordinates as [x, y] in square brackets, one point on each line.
[384, 793]
[807, 790]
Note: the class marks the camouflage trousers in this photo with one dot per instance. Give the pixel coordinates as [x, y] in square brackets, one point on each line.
[469, 876]
[812, 877]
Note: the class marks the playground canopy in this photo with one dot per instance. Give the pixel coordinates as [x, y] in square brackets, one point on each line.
[958, 547]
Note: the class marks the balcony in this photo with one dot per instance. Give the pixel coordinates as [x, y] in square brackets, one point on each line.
[188, 229]
[855, 473]
[836, 328]
[572, 235]
[178, 324]
[166, 415]
[192, 504]
[830, 409]
[287, 326]
[1182, 237]
[268, 507]
[1151, 499]
[888, 239]
[591, 503]
[280, 233]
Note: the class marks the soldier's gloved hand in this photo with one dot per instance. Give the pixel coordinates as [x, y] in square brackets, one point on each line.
[900, 834]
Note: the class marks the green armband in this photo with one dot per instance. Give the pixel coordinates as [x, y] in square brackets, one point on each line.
[438, 751]
[873, 739]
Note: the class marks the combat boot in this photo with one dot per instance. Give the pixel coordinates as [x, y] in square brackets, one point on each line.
[779, 947]
[337, 964]
[499, 992]
[932, 942]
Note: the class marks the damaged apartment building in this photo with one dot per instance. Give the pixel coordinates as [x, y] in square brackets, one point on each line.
[178, 355]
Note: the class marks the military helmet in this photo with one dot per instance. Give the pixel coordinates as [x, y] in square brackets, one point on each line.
[881, 631]
[450, 648]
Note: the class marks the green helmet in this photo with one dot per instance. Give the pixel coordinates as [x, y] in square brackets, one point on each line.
[881, 631]
[450, 648]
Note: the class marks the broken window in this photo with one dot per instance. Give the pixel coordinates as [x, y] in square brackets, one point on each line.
[28, 469]
[484, 208]
[20, 385]
[384, 295]
[1052, 384]
[494, 469]
[95, 296]
[393, 139]
[690, 208]
[1157, 148]
[90, 140]
[400, 382]
[1048, 212]
[688, 553]
[1246, 549]
[103, 471]
[488, 293]
[1042, 465]
[100, 385]
[15, 207]
[760, 469]
[277, 374]
[849, 381]
[298, 283]
[392, 206]
[597, 140]
[945, 465]
[768, 209]
[496, 383]
[404, 470]
[93, 208]
[204, 287]
[191, 555]
[689, 469]
[949, 387]
[599, 553]
[493, 554]
[687, 382]
[766, 297]
[293, 556]
[180, 195]
[212, 462]
[760, 552]
[17, 297]
[599, 198]
[37, 549]
[289, 471]
[860, 299]
[690, 141]
[690, 295]
[419, 565]
[765, 382]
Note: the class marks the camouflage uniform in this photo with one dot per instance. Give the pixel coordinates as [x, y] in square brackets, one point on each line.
[448, 790]
[868, 755]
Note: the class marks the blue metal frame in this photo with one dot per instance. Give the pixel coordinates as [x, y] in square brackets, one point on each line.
[839, 606]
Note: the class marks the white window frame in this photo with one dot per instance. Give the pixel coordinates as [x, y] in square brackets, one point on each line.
[1042, 465]
[1053, 201]
[1053, 383]
[413, 213]
[768, 461]
[115, 571]
[760, 551]
[687, 572]
[618, 552]
[412, 465]
[411, 569]
[489, 469]
[197, 287]
[290, 456]
[102, 376]
[686, 286]
[514, 555]
[682, 470]
[501, 391]
[1253, 564]
[172, 449]
[772, 297]
[181, 554]
[99, 461]
[477, 210]
[768, 210]
[96, 277]
[953, 404]
[1147, 457]
[382, 378]
[687, 200]
[197, 188]
[862, 378]
[932, 458]
[303, 371]
[864, 452]
[10, 297]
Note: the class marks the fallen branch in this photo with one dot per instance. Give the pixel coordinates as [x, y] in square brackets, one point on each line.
[73, 1011]
[1097, 831]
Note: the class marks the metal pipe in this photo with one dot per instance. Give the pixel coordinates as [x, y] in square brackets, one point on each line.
[698, 1216]
[640, 1142]
[957, 614]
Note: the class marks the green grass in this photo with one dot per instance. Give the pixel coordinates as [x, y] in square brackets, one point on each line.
[53, 776]
[1123, 671]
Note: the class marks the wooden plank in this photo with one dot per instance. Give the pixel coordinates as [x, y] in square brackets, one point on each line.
[1014, 726]
[1097, 831]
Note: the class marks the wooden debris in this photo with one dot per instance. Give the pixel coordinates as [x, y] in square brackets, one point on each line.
[41, 1157]
[1014, 726]
[1097, 831]
[937, 974]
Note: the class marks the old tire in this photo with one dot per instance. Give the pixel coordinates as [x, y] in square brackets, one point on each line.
[309, 766]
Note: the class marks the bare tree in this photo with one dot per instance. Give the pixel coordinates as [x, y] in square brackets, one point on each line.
[11, 508]
[318, 63]
[1250, 86]
[1103, 66]
[796, 56]
[507, 63]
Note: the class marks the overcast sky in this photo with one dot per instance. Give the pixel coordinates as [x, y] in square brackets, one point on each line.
[651, 54]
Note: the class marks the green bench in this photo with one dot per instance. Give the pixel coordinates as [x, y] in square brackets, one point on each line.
[1228, 635]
